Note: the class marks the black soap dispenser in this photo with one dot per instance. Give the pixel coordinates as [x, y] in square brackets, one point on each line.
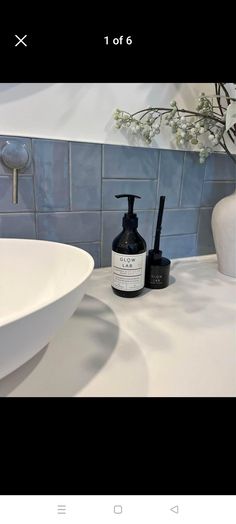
[128, 255]
[157, 266]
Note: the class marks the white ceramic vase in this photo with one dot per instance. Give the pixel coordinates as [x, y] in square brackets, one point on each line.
[223, 223]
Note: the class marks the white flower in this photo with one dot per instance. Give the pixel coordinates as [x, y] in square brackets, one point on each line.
[186, 126]
[152, 134]
[116, 114]
[135, 128]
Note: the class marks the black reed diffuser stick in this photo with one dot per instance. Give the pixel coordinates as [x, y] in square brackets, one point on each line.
[159, 222]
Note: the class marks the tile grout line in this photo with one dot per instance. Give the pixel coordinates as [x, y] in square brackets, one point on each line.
[22, 175]
[215, 180]
[111, 179]
[34, 194]
[178, 235]
[219, 181]
[157, 191]
[25, 211]
[70, 181]
[182, 180]
[95, 242]
[200, 207]
[101, 210]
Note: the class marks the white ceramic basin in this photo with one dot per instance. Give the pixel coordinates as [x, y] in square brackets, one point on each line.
[41, 285]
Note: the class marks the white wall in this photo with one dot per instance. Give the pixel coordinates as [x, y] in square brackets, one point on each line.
[83, 112]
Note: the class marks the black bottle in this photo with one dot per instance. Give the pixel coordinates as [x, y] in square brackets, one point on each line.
[157, 270]
[128, 255]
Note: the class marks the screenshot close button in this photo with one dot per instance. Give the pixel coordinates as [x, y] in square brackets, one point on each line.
[20, 40]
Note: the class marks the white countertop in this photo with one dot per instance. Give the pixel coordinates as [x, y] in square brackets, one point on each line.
[177, 341]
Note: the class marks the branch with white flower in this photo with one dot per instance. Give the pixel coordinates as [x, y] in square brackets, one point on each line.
[205, 127]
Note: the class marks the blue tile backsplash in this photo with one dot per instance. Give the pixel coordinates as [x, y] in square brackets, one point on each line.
[66, 194]
[192, 181]
[180, 221]
[220, 167]
[51, 175]
[130, 162]
[214, 191]
[14, 225]
[170, 176]
[25, 194]
[69, 227]
[86, 169]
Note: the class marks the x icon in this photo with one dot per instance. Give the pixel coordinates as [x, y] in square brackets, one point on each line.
[21, 40]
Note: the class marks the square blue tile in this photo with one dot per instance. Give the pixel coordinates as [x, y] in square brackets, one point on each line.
[130, 162]
[93, 249]
[193, 176]
[112, 226]
[69, 227]
[205, 242]
[86, 173]
[51, 161]
[178, 246]
[219, 166]
[25, 194]
[215, 191]
[17, 225]
[29, 168]
[146, 189]
[170, 173]
[179, 222]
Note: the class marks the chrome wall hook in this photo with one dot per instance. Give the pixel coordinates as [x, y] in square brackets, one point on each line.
[15, 155]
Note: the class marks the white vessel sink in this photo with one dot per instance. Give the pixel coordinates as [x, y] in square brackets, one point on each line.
[41, 285]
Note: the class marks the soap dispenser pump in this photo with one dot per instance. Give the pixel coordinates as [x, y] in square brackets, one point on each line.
[128, 255]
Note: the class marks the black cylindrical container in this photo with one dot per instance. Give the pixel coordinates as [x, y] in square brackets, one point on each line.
[157, 270]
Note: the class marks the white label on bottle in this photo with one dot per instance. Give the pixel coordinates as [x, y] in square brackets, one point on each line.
[128, 271]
